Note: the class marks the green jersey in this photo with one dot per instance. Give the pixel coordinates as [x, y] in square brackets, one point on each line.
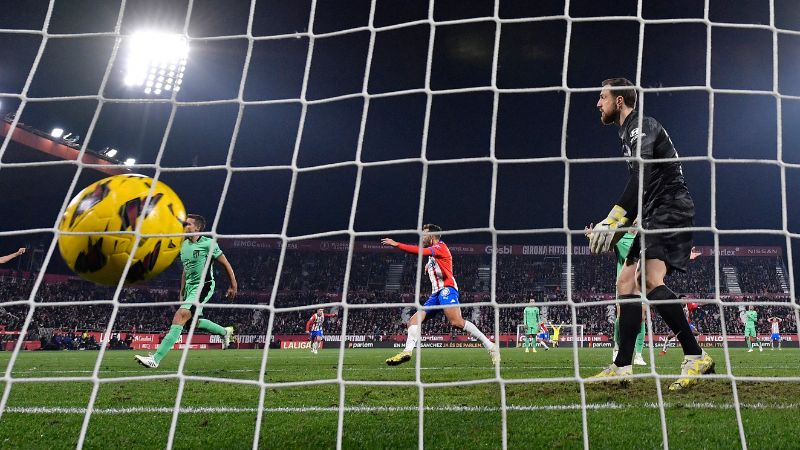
[622, 249]
[531, 316]
[193, 257]
[750, 318]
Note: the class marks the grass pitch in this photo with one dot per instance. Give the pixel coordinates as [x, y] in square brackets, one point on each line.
[220, 401]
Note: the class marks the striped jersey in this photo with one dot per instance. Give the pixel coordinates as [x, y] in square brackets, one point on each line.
[316, 321]
[439, 267]
[776, 328]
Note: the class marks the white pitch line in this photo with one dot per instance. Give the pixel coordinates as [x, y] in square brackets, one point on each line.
[376, 369]
[372, 409]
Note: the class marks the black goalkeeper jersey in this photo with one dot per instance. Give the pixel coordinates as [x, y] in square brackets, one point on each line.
[663, 183]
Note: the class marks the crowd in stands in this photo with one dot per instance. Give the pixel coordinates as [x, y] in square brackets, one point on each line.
[311, 278]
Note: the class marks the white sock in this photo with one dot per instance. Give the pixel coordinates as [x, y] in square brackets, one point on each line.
[411, 340]
[470, 328]
[544, 345]
[314, 346]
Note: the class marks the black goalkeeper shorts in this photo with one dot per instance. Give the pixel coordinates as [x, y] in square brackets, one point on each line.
[674, 248]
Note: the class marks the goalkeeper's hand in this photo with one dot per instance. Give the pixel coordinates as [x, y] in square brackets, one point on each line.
[602, 235]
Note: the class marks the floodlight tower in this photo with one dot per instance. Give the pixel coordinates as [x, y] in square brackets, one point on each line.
[156, 62]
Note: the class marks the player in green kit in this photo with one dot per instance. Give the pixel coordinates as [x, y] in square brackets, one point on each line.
[532, 320]
[750, 319]
[621, 250]
[194, 253]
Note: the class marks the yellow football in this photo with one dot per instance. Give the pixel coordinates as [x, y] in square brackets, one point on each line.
[119, 204]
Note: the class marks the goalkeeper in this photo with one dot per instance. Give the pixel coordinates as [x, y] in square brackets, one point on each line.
[666, 205]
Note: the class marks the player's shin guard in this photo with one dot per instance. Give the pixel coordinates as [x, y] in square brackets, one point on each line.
[411, 339]
[470, 328]
[673, 315]
[166, 344]
[630, 319]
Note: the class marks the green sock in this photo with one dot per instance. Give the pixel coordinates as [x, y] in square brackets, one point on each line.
[210, 326]
[749, 343]
[525, 342]
[640, 340]
[616, 332]
[166, 344]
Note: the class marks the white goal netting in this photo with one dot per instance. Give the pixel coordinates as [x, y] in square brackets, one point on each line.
[443, 180]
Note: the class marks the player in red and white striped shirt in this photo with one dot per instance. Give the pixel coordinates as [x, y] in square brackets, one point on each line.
[444, 292]
[314, 328]
[776, 331]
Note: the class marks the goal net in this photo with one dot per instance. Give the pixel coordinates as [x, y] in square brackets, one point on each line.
[305, 131]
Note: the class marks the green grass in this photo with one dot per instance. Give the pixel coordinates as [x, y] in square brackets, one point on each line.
[134, 414]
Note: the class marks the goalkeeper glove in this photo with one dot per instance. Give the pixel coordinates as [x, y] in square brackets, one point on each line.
[603, 234]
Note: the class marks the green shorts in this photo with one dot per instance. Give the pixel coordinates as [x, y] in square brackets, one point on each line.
[190, 296]
[530, 330]
[750, 331]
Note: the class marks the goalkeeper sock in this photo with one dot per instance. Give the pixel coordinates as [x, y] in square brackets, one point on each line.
[411, 339]
[211, 327]
[470, 328]
[749, 343]
[637, 348]
[169, 340]
[673, 315]
[630, 319]
[616, 334]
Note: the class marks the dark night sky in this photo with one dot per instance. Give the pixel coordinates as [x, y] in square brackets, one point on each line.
[529, 125]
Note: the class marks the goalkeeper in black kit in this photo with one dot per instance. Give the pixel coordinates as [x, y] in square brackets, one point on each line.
[666, 204]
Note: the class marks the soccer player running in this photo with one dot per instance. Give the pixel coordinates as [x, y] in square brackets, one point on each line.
[314, 328]
[776, 331]
[532, 317]
[444, 291]
[194, 252]
[750, 319]
[543, 336]
[666, 204]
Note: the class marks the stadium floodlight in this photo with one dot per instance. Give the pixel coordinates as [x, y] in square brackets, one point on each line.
[130, 162]
[57, 132]
[150, 54]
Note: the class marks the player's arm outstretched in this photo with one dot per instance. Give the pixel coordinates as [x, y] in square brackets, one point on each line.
[413, 249]
[234, 287]
[10, 256]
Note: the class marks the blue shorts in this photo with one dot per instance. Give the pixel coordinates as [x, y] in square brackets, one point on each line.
[446, 296]
[692, 328]
[776, 336]
[545, 336]
[317, 333]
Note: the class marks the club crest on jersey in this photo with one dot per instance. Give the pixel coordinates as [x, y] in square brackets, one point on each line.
[445, 292]
[635, 134]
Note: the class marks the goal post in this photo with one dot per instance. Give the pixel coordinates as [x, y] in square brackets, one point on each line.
[569, 333]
